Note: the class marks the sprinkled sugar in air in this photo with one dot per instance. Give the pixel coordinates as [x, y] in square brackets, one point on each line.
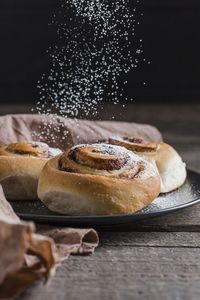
[95, 48]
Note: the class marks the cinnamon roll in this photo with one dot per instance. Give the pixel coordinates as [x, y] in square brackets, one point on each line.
[98, 179]
[20, 166]
[170, 166]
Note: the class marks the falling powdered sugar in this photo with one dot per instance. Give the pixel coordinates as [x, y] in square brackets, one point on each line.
[95, 48]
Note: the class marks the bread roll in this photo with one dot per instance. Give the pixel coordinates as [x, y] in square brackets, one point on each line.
[170, 166]
[20, 166]
[98, 179]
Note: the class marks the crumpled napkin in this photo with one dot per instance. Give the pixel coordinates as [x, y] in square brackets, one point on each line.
[64, 132]
[27, 256]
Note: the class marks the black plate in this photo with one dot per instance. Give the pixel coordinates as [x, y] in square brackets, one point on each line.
[187, 195]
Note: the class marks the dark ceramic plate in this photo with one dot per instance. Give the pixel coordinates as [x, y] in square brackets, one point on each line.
[185, 196]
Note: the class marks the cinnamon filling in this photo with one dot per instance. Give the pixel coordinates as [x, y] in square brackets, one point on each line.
[135, 144]
[133, 172]
[33, 149]
[93, 157]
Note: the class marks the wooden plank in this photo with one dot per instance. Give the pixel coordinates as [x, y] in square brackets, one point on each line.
[126, 272]
[170, 117]
[187, 220]
[153, 239]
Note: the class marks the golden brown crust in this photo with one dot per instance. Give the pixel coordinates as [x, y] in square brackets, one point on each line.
[100, 159]
[20, 166]
[19, 176]
[36, 149]
[170, 166]
[91, 156]
[82, 189]
[137, 144]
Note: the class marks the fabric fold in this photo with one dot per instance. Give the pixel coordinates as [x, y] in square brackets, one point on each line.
[65, 132]
[27, 256]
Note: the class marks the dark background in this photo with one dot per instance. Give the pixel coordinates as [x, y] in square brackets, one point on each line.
[171, 39]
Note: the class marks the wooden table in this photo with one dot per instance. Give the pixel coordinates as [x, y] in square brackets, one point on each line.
[158, 259]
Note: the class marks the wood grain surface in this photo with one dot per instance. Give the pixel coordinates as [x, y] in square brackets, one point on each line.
[158, 259]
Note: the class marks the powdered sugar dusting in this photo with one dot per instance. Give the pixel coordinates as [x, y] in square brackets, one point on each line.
[186, 193]
[95, 48]
[133, 160]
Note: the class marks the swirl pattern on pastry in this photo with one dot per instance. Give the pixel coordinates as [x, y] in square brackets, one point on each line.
[170, 166]
[104, 159]
[137, 144]
[36, 149]
[20, 167]
[98, 179]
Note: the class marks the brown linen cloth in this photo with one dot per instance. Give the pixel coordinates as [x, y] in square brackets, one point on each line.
[27, 256]
[62, 132]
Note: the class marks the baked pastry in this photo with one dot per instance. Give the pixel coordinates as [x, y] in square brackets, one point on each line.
[170, 166]
[20, 166]
[98, 179]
